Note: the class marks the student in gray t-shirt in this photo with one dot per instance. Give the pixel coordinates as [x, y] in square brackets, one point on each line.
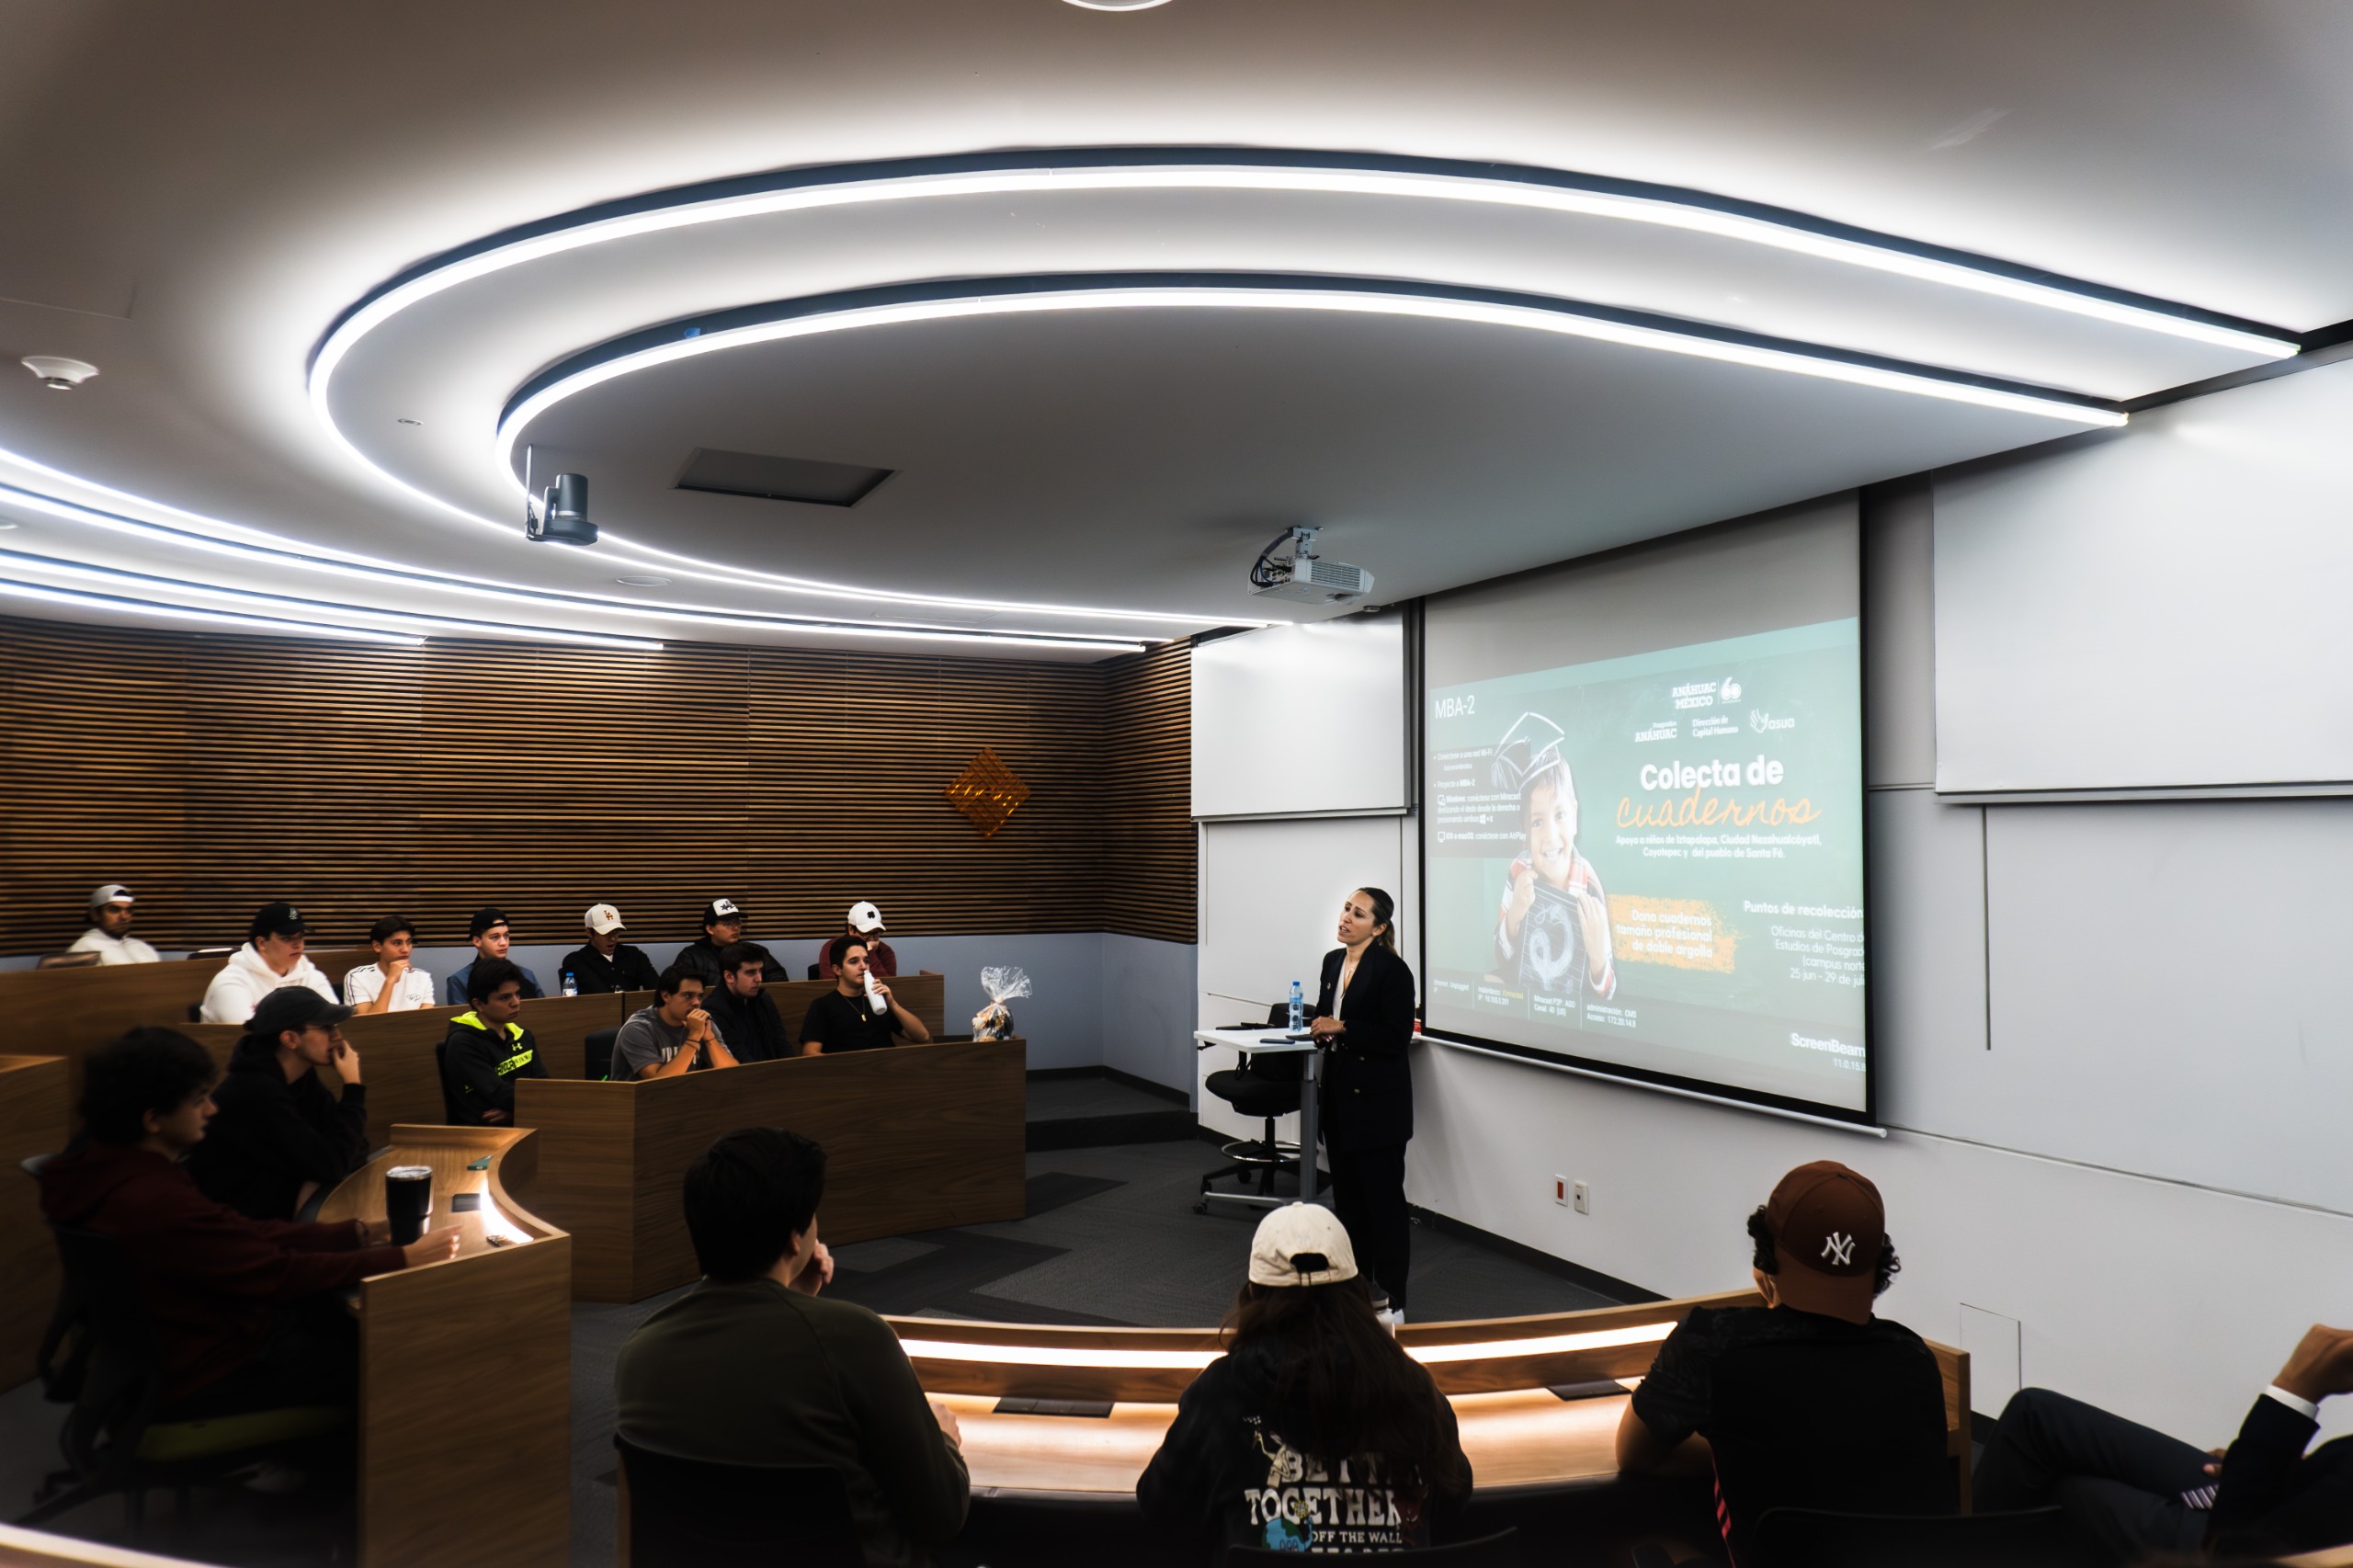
[673, 1036]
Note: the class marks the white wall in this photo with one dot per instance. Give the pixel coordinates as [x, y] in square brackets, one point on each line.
[2110, 1090]
[2158, 606]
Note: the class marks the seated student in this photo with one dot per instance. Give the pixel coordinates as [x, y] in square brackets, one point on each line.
[1809, 1401]
[391, 985]
[2144, 1495]
[491, 936]
[278, 1135]
[752, 1367]
[723, 928]
[485, 1049]
[1314, 1432]
[110, 934]
[605, 963]
[864, 922]
[240, 1305]
[673, 1036]
[271, 957]
[845, 1019]
[744, 1010]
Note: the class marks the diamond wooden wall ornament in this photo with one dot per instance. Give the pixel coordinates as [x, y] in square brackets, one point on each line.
[987, 791]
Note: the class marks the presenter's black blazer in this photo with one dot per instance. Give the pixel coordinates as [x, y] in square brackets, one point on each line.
[1368, 1086]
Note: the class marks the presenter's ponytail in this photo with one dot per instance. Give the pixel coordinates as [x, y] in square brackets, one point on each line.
[1385, 909]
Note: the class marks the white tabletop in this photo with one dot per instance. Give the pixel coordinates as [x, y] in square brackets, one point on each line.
[1267, 1038]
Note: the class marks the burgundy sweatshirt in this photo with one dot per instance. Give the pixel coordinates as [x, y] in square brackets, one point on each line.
[210, 1275]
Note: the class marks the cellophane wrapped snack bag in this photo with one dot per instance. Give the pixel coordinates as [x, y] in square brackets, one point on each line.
[1003, 985]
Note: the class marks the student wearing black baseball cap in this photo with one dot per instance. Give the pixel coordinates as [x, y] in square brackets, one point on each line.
[271, 957]
[723, 928]
[490, 936]
[277, 1134]
[1810, 1400]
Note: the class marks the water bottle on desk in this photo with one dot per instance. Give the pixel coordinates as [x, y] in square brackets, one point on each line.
[571, 985]
[1297, 1008]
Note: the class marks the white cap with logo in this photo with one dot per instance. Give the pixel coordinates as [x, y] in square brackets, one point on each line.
[865, 917]
[1301, 1243]
[113, 893]
[603, 919]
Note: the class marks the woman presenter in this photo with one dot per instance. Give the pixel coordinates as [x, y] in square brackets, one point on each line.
[1364, 1019]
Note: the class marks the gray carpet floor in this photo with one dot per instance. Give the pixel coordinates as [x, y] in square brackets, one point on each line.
[1110, 1238]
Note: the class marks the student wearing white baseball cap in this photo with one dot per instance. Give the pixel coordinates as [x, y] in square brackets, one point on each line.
[1315, 1431]
[110, 934]
[865, 923]
[605, 963]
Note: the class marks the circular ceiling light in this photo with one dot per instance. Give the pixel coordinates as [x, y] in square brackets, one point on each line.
[60, 374]
[1115, 4]
[642, 582]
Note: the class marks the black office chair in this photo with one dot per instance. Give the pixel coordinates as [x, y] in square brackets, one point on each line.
[1498, 1550]
[450, 1115]
[688, 1513]
[601, 1053]
[1810, 1538]
[101, 1354]
[1268, 1086]
[813, 972]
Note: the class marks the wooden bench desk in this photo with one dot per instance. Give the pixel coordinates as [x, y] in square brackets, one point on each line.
[1498, 1373]
[916, 1138]
[465, 1368]
[396, 1052]
[69, 1012]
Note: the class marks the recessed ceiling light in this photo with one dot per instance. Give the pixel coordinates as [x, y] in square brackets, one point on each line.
[7, 523]
[412, 421]
[642, 582]
[1115, 4]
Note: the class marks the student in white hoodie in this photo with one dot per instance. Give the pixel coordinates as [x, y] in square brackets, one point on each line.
[271, 957]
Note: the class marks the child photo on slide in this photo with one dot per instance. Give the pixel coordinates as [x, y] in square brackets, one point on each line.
[1552, 933]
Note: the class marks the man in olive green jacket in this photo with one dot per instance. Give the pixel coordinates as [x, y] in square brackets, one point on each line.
[752, 1368]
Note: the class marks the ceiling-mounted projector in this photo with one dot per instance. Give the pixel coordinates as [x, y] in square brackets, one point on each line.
[1301, 577]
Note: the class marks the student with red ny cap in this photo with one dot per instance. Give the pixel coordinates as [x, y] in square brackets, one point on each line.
[1810, 1400]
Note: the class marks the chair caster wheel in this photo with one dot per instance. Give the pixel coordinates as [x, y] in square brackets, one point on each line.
[1202, 1207]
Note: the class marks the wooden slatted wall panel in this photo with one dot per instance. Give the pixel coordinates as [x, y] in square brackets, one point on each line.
[1147, 772]
[212, 773]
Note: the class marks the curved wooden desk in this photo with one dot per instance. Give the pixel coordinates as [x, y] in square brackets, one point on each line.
[465, 1368]
[32, 1122]
[1537, 1399]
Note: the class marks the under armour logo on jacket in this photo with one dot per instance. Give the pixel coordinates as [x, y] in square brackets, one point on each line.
[1839, 1249]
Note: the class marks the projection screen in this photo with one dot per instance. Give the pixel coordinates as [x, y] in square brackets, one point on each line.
[1642, 814]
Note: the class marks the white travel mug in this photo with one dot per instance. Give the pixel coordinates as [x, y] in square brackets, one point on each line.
[874, 998]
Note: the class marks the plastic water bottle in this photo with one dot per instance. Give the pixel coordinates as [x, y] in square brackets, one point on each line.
[1297, 1008]
[571, 985]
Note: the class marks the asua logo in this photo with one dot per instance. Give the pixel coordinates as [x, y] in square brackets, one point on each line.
[1760, 721]
[1840, 1248]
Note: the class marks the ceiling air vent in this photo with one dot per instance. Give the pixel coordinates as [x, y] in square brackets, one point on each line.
[779, 479]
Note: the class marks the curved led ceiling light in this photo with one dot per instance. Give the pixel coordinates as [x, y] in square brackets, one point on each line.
[256, 547]
[1273, 169]
[292, 607]
[853, 309]
[122, 603]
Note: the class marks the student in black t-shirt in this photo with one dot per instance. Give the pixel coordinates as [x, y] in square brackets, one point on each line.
[1810, 1400]
[604, 964]
[844, 1018]
[278, 1134]
[746, 1013]
[1314, 1432]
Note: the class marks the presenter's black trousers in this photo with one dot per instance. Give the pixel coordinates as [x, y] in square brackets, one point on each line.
[2121, 1481]
[1369, 1194]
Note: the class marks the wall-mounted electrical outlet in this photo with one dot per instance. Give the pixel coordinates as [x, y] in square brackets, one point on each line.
[1581, 1198]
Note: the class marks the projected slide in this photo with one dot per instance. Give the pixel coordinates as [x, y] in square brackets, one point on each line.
[1657, 862]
